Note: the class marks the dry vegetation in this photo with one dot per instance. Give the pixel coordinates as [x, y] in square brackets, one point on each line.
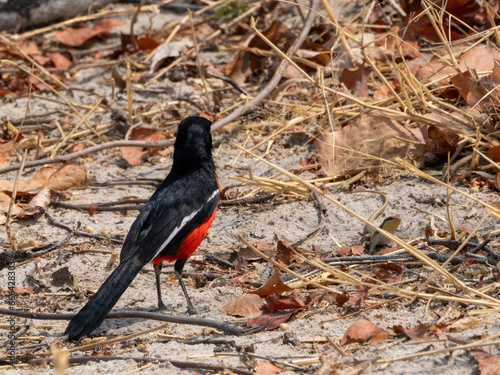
[381, 89]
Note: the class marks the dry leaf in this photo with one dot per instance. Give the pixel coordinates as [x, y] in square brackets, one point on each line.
[5, 148]
[440, 140]
[136, 155]
[24, 291]
[464, 324]
[246, 305]
[356, 80]
[495, 204]
[4, 208]
[487, 364]
[59, 60]
[278, 302]
[389, 272]
[414, 333]
[275, 318]
[363, 330]
[36, 206]
[62, 278]
[273, 285]
[267, 368]
[359, 146]
[172, 49]
[76, 37]
[67, 177]
[494, 154]
[479, 58]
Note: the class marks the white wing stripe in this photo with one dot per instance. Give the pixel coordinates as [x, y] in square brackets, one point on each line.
[182, 224]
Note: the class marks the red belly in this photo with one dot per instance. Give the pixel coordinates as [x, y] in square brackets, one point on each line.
[190, 243]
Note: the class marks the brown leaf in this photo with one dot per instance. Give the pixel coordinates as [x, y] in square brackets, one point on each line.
[246, 305]
[472, 91]
[360, 146]
[59, 60]
[487, 364]
[76, 37]
[275, 318]
[36, 206]
[363, 330]
[389, 272]
[356, 80]
[494, 154]
[416, 332]
[264, 246]
[4, 208]
[29, 47]
[136, 155]
[146, 44]
[465, 324]
[441, 140]
[62, 278]
[267, 368]
[67, 177]
[278, 302]
[5, 148]
[479, 58]
[24, 291]
[495, 204]
[435, 71]
[169, 50]
[273, 285]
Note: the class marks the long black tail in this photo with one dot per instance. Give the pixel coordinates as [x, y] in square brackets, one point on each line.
[93, 313]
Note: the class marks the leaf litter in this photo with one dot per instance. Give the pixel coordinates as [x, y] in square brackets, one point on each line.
[360, 97]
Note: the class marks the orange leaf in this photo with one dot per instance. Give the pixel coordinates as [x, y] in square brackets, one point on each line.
[147, 43]
[67, 177]
[494, 154]
[487, 364]
[5, 148]
[267, 368]
[76, 37]
[273, 285]
[363, 330]
[24, 291]
[246, 305]
[278, 302]
[135, 155]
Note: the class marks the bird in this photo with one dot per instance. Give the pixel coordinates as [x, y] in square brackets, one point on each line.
[170, 227]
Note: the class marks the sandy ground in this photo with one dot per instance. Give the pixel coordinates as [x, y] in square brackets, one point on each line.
[281, 219]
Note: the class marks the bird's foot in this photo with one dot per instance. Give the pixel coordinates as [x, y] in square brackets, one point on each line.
[191, 311]
[161, 307]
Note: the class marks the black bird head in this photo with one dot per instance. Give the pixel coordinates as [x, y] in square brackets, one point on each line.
[193, 145]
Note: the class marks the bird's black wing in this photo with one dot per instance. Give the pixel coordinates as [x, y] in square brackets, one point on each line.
[179, 205]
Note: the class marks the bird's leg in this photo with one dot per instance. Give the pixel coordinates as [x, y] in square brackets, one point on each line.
[178, 267]
[157, 268]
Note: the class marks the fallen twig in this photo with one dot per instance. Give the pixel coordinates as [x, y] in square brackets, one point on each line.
[188, 320]
[176, 363]
[79, 232]
[90, 150]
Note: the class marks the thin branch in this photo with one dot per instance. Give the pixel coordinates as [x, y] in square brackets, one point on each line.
[176, 363]
[90, 150]
[189, 320]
